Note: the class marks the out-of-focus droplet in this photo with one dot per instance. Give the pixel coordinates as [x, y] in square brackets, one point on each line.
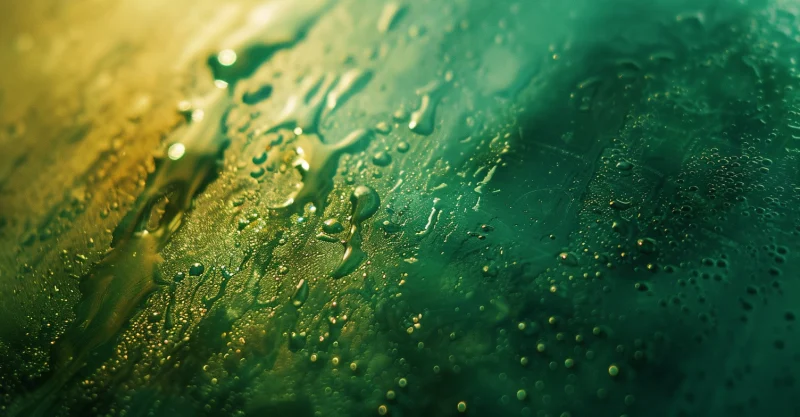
[423, 119]
[381, 158]
[389, 15]
[300, 293]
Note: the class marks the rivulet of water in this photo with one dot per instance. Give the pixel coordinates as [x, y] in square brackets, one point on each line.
[399, 208]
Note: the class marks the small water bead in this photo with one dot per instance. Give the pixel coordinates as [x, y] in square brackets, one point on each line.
[568, 258]
[403, 147]
[332, 226]
[521, 395]
[390, 395]
[381, 159]
[613, 370]
[383, 410]
[383, 128]
[196, 269]
[461, 407]
[646, 245]
[402, 382]
[179, 276]
[400, 115]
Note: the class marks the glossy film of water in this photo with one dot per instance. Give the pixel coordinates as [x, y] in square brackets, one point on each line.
[399, 208]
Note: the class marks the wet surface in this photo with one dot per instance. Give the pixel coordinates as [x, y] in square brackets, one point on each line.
[345, 208]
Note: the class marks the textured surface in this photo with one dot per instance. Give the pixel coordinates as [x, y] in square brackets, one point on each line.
[403, 208]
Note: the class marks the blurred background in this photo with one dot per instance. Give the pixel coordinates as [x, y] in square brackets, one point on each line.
[403, 208]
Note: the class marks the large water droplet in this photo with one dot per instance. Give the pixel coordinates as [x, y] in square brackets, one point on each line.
[423, 119]
[365, 202]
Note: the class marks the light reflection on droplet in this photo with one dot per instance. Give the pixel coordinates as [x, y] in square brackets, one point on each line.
[184, 106]
[176, 151]
[226, 57]
[198, 115]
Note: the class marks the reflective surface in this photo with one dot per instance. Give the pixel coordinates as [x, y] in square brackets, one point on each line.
[345, 208]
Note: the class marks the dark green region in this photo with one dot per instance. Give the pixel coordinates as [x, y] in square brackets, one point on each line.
[421, 208]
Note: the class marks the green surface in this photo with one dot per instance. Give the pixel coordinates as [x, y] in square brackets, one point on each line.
[420, 208]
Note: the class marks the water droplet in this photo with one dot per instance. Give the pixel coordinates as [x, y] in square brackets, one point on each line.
[300, 293]
[260, 158]
[332, 226]
[176, 151]
[389, 15]
[383, 128]
[624, 166]
[423, 119]
[568, 258]
[381, 159]
[257, 173]
[646, 245]
[432, 218]
[403, 147]
[400, 115]
[365, 202]
[226, 57]
[196, 269]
